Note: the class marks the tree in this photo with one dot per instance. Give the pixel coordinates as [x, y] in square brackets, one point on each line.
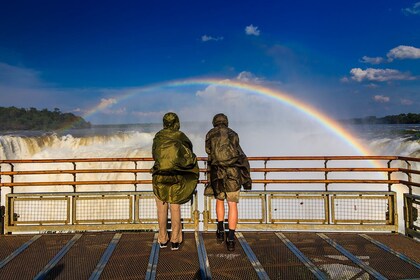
[12, 118]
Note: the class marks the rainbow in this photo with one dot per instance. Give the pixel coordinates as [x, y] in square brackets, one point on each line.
[311, 112]
[280, 96]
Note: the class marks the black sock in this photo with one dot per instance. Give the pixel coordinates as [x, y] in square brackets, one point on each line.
[220, 226]
[231, 235]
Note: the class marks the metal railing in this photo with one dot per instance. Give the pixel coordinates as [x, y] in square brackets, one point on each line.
[300, 193]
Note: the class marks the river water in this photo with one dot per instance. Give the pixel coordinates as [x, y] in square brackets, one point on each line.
[270, 139]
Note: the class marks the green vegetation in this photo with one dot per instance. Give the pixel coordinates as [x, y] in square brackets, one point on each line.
[409, 118]
[12, 118]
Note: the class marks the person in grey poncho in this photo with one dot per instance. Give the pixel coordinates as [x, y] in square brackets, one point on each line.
[175, 175]
[229, 170]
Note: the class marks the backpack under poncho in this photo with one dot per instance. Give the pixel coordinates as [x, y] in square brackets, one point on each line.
[175, 172]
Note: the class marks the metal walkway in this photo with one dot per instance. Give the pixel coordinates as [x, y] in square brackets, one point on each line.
[258, 255]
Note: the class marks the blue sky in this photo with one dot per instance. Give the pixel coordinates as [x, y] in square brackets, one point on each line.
[347, 59]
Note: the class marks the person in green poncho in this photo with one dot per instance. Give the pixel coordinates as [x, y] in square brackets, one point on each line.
[175, 176]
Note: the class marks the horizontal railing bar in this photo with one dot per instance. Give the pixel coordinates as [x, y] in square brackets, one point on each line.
[413, 196]
[75, 160]
[84, 171]
[81, 171]
[257, 181]
[412, 171]
[330, 181]
[290, 158]
[254, 194]
[331, 169]
[409, 158]
[78, 183]
[324, 158]
[409, 183]
[265, 181]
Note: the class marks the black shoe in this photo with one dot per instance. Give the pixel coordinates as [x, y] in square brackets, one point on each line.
[175, 246]
[163, 245]
[230, 244]
[220, 236]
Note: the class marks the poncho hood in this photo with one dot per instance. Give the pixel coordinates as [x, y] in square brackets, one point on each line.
[220, 119]
[171, 121]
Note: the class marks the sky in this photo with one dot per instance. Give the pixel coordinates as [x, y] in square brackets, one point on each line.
[112, 61]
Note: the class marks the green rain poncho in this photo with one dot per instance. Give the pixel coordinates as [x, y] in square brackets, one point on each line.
[175, 172]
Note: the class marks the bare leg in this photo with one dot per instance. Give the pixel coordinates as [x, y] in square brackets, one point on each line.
[176, 236]
[233, 214]
[162, 212]
[220, 210]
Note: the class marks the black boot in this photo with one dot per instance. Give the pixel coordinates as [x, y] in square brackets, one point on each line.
[220, 233]
[220, 236]
[230, 240]
[230, 244]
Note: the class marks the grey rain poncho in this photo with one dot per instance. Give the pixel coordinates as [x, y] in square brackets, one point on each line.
[229, 166]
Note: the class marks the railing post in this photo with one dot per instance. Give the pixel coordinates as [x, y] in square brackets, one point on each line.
[73, 209]
[12, 177]
[206, 167]
[135, 176]
[389, 175]
[265, 174]
[1, 210]
[409, 178]
[74, 176]
[395, 211]
[196, 212]
[205, 214]
[327, 208]
[326, 175]
[408, 219]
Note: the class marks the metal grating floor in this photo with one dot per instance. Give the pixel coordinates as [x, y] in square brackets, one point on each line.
[258, 255]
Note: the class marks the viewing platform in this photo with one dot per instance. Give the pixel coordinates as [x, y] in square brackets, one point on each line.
[335, 217]
[258, 255]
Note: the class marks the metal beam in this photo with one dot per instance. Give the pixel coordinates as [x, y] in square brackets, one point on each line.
[44, 272]
[105, 257]
[304, 259]
[202, 257]
[389, 250]
[252, 258]
[153, 259]
[19, 250]
[352, 257]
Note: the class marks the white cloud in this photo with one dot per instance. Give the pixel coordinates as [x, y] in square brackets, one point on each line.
[381, 98]
[248, 77]
[415, 10]
[372, 60]
[206, 38]
[406, 101]
[403, 52]
[106, 102]
[227, 97]
[378, 75]
[252, 30]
